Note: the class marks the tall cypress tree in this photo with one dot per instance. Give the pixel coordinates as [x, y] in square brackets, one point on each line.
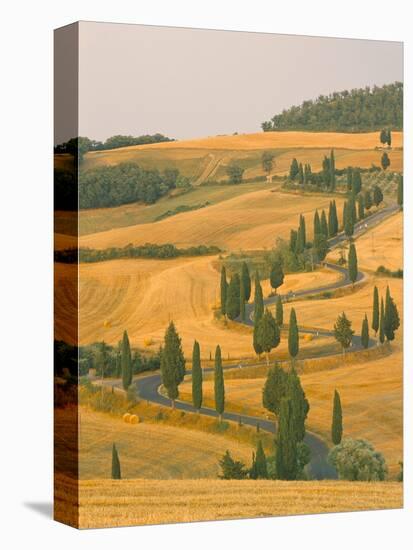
[337, 420]
[276, 275]
[242, 300]
[196, 377]
[332, 171]
[352, 263]
[224, 290]
[255, 337]
[300, 174]
[268, 333]
[332, 220]
[293, 240]
[391, 317]
[219, 389]
[382, 334]
[365, 337]
[258, 299]
[172, 363]
[345, 209]
[126, 362]
[286, 454]
[400, 191]
[261, 462]
[116, 471]
[233, 297]
[302, 230]
[293, 336]
[323, 224]
[335, 218]
[349, 179]
[360, 204]
[299, 404]
[279, 313]
[245, 276]
[375, 321]
[275, 388]
[316, 224]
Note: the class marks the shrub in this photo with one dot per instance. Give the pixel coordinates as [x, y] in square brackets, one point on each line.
[232, 469]
[356, 460]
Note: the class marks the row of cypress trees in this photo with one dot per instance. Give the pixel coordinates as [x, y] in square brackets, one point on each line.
[385, 318]
[236, 293]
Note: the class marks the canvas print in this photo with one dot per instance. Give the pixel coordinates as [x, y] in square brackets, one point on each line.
[228, 275]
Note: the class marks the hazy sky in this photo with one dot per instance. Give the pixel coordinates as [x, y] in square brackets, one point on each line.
[187, 83]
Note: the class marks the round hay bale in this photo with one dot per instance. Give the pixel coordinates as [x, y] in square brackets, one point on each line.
[126, 417]
[134, 419]
[308, 337]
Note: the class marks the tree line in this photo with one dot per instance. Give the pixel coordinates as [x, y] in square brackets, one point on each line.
[82, 145]
[358, 110]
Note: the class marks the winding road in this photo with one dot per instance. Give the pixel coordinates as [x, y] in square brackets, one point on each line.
[148, 387]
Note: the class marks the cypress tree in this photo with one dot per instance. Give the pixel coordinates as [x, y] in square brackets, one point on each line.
[293, 337]
[172, 363]
[343, 332]
[352, 263]
[344, 220]
[377, 195]
[219, 389]
[293, 240]
[299, 405]
[300, 174]
[365, 337]
[253, 470]
[299, 245]
[352, 209]
[294, 169]
[275, 388]
[320, 246]
[276, 275]
[349, 179]
[391, 317]
[261, 462]
[224, 290]
[242, 300]
[332, 219]
[316, 223]
[302, 230]
[357, 183]
[400, 191]
[382, 334]
[360, 204]
[116, 471]
[268, 333]
[323, 224]
[196, 377]
[368, 201]
[279, 313]
[375, 321]
[337, 421]
[258, 299]
[255, 338]
[126, 362]
[233, 297]
[245, 277]
[286, 454]
[385, 161]
[332, 171]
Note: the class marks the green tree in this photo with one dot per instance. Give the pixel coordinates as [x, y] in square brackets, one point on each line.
[352, 264]
[377, 195]
[245, 276]
[196, 377]
[261, 462]
[116, 471]
[375, 321]
[255, 338]
[233, 297]
[383, 136]
[276, 275]
[300, 174]
[323, 224]
[349, 174]
[299, 404]
[348, 220]
[302, 230]
[357, 183]
[275, 388]
[258, 299]
[316, 224]
[267, 161]
[360, 205]
[320, 246]
[126, 362]
[268, 333]
[224, 290]
[332, 166]
[343, 332]
[385, 161]
[232, 469]
[337, 420]
[242, 300]
[219, 388]
[172, 363]
[368, 201]
[294, 169]
[293, 336]
[279, 312]
[365, 337]
[332, 220]
[293, 240]
[382, 334]
[356, 460]
[400, 191]
[235, 173]
[286, 454]
[391, 317]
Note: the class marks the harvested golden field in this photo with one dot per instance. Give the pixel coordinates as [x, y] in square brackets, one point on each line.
[279, 140]
[303, 281]
[382, 245]
[142, 296]
[105, 503]
[66, 302]
[151, 451]
[249, 221]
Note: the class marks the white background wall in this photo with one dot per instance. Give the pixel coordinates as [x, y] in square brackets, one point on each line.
[26, 269]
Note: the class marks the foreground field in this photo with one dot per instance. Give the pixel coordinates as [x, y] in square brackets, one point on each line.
[250, 221]
[151, 451]
[106, 503]
[383, 245]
